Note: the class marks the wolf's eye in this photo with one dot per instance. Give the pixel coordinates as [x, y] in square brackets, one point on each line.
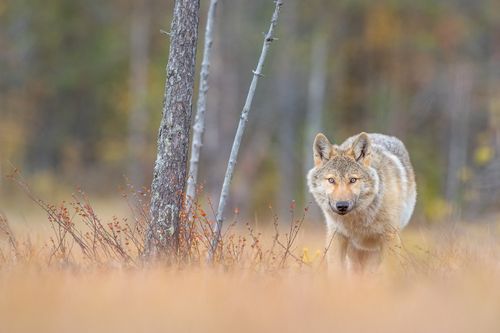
[331, 180]
[352, 180]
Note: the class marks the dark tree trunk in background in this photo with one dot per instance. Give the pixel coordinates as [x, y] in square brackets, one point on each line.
[289, 113]
[458, 102]
[169, 178]
[315, 103]
[138, 118]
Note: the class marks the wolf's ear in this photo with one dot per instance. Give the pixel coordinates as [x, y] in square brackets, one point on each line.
[322, 150]
[361, 149]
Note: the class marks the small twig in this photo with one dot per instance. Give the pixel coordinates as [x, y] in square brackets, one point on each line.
[258, 74]
[328, 247]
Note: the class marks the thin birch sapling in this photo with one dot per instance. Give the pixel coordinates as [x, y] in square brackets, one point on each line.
[201, 107]
[257, 73]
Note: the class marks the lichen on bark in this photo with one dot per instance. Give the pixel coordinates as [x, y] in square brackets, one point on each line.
[170, 171]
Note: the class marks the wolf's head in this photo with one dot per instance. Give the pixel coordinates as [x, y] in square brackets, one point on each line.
[342, 180]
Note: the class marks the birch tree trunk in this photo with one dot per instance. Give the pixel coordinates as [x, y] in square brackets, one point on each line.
[201, 107]
[138, 118]
[268, 38]
[169, 178]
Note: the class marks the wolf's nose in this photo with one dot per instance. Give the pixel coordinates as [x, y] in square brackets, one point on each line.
[342, 206]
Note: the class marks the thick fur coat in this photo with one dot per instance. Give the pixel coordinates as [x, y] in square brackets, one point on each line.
[366, 189]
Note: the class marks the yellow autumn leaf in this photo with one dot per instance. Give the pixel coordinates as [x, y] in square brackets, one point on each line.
[306, 258]
[483, 154]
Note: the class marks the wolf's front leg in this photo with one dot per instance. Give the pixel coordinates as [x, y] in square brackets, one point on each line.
[394, 254]
[336, 245]
[361, 261]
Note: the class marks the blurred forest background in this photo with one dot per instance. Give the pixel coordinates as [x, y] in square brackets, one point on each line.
[81, 89]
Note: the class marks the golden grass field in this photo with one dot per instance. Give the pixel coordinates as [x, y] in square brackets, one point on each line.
[160, 300]
[447, 280]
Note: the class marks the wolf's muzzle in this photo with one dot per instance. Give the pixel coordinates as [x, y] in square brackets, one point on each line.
[341, 207]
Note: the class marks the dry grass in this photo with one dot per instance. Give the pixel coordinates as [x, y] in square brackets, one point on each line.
[88, 276]
[38, 299]
[210, 301]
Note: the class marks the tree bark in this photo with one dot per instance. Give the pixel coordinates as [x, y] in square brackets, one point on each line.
[169, 178]
[201, 107]
[268, 38]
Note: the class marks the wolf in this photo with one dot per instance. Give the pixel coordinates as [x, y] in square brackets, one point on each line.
[366, 189]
